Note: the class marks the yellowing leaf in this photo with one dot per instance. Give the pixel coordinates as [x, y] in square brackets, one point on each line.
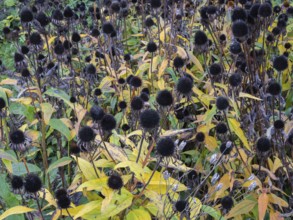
[50, 41]
[212, 212]
[34, 135]
[263, 201]
[183, 38]
[165, 32]
[211, 143]
[99, 184]
[181, 52]
[162, 68]
[277, 200]
[56, 214]
[47, 110]
[235, 127]
[159, 184]
[134, 167]
[277, 164]
[225, 180]
[195, 207]
[23, 100]
[195, 61]
[86, 168]
[161, 84]
[142, 68]
[15, 210]
[48, 197]
[59, 163]
[246, 95]
[244, 207]
[8, 81]
[202, 97]
[272, 175]
[106, 82]
[88, 207]
[116, 152]
[138, 214]
[176, 132]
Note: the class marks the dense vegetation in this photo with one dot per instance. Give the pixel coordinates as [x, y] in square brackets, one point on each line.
[146, 109]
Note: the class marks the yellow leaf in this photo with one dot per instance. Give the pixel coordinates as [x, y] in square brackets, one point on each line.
[133, 166]
[143, 68]
[246, 95]
[56, 214]
[47, 110]
[50, 41]
[23, 100]
[104, 163]
[222, 86]
[87, 208]
[244, 207]
[34, 135]
[15, 210]
[135, 133]
[181, 52]
[195, 207]
[119, 202]
[277, 164]
[164, 32]
[8, 81]
[99, 184]
[277, 200]
[211, 143]
[106, 82]
[263, 201]
[183, 38]
[137, 35]
[272, 175]
[176, 132]
[138, 214]
[161, 83]
[48, 197]
[225, 180]
[159, 184]
[235, 126]
[108, 194]
[195, 61]
[86, 168]
[162, 68]
[202, 96]
[116, 152]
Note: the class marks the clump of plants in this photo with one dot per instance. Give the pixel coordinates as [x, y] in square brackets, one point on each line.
[117, 109]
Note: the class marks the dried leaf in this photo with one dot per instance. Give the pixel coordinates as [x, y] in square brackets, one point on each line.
[263, 201]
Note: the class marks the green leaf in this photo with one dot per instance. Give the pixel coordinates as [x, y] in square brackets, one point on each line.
[9, 3]
[212, 212]
[20, 109]
[7, 156]
[59, 125]
[241, 208]
[10, 200]
[59, 163]
[208, 116]
[59, 94]
[19, 169]
[3, 95]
